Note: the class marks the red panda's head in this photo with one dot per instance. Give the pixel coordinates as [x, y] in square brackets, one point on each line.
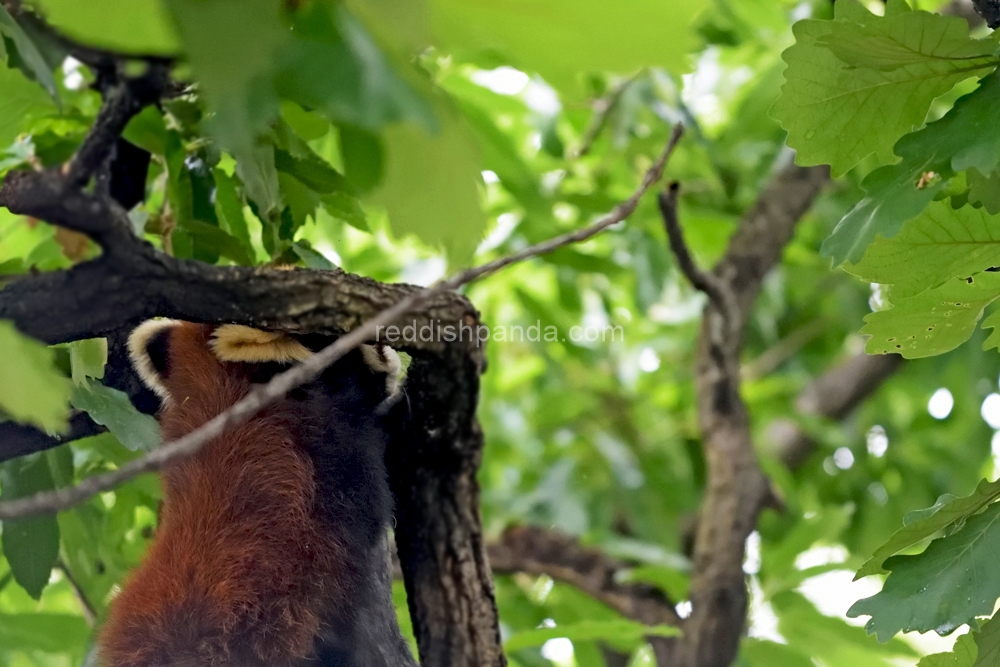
[180, 360]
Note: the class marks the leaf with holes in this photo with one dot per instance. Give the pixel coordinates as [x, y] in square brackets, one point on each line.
[901, 191]
[951, 583]
[940, 244]
[934, 321]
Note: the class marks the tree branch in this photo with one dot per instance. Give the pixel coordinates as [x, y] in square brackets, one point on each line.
[21, 439]
[989, 10]
[280, 385]
[833, 395]
[537, 551]
[737, 489]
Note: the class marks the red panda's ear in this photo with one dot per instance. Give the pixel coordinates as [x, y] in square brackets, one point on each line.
[384, 359]
[235, 342]
[149, 349]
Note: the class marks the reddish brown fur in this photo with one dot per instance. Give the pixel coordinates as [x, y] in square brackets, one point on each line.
[240, 571]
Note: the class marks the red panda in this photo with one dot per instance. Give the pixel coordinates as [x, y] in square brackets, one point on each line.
[271, 548]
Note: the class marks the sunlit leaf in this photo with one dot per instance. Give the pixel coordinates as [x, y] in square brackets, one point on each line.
[899, 192]
[49, 632]
[31, 389]
[34, 62]
[962, 655]
[87, 359]
[934, 321]
[837, 112]
[21, 100]
[831, 640]
[939, 244]
[559, 38]
[430, 188]
[131, 26]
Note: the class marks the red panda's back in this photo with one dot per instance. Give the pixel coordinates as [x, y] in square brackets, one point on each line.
[239, 571]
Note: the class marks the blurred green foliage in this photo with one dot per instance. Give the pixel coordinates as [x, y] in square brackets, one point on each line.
[397, 140]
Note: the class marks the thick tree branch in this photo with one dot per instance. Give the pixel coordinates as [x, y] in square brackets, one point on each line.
[20, 439]
[537, 551]
[737, 489]
[989, 10]
[833, 395]
[307, 370]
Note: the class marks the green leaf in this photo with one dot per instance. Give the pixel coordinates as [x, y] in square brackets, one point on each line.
[180, 193]
[112, 408]
[839, 111]
[347, 208]
[229, 208]
[333, 66]
[216, 241]
[431, 188]
[962, 655]
[312, 170]
[939, 244]
[985, 189]
[87, 359]
[919, 526]
[588, 631]
[559, 39]
[22, 101]
[44, 631]
[904, 38]
[761, 653]
[830, 640]
[132, 26]
[949, 584]
[148, 130]
[33, 61]
[988, 643]
[308, 125]
[313, 259]
[894, 193]
[301, 202]
[31, 546]
[232, 46]
[255, 165]
[934, 321]
[363, 158]
[31, 389]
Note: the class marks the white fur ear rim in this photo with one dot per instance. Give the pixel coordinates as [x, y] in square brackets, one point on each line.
[382, 359]
[137, 352]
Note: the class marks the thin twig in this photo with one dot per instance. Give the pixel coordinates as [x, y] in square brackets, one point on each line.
[704, 281]
[89, 613]
[54, 501]
[602, 111]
